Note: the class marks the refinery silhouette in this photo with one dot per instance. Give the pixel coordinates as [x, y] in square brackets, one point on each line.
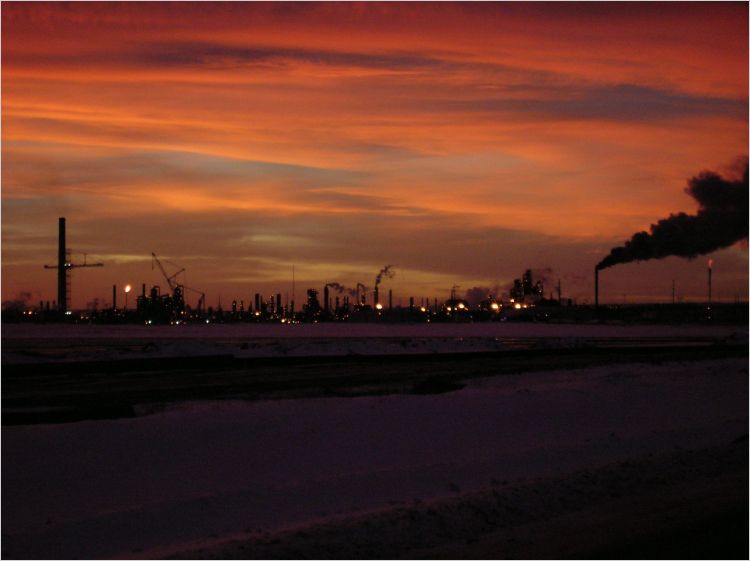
[524, 300]
[339, 303]
[721, 220]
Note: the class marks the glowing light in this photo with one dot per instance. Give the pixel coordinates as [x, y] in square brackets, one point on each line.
[517, 306]
[127, 288]
[449, 308]
[710, 263]
[422, 309]
[495, 306]
[379, 306]
[461, 306]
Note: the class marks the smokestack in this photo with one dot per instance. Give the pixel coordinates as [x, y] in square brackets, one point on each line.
[62, 293]
[390, 299]
[361, 299]
[710, 263]
[114, 297]
[325, 298]
[257, 302]
[596, 287]
[384, 272]
[278, 303]
[143, 290]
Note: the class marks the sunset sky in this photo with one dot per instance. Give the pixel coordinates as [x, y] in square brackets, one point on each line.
[461, 143]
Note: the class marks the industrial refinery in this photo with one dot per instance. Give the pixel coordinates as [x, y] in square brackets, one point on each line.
[524, 300]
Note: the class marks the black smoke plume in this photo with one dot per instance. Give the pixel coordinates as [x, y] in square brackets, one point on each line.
[339, 288]
[384, 272]
[722, 220]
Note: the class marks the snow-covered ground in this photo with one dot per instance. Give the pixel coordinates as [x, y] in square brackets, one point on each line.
[33, 343]
[197, 473]
[378, 330]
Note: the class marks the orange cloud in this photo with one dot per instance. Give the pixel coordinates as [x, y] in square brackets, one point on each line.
[575, 122]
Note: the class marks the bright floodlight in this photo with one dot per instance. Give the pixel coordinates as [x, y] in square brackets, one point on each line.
[127, 288]
[379, 306]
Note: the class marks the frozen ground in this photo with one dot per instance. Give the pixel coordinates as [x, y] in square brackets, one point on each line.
[196, 475]
[38, 343]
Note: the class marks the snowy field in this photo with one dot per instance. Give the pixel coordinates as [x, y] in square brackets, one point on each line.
[197, 475]
[34, 343]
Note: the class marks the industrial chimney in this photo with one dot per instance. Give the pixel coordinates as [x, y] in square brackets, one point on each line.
[63, 267]
[62, 292]
[596, 287]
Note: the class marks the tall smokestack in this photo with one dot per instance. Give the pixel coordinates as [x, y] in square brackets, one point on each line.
[390, 299]
[710, 264]
[62, 292]
[114, 297]
[377, 298]
[596, 287]
[325, 298]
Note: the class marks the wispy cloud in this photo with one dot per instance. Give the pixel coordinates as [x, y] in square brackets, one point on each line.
[464, 140]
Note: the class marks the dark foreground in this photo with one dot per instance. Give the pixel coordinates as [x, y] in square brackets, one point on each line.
[627, 452]
[59, 392]
[688, 504]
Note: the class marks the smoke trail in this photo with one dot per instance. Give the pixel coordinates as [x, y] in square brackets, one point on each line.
[476, 294]
[544, 275]
[339, 288]
[722, 220]
[363, 287]
[384, 272]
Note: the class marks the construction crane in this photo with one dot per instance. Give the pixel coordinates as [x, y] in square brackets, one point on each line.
[63, 269]
[201, 299]
[178, 289]
[170, 279]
